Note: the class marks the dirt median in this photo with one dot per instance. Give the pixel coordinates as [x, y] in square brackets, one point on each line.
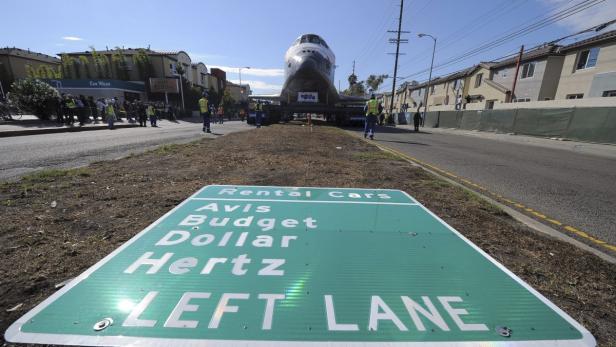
[58, 223]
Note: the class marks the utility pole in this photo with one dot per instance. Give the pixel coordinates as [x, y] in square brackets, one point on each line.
[397, 41]
[517, 71]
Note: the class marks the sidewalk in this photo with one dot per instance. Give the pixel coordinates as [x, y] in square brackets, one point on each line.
[31, 125]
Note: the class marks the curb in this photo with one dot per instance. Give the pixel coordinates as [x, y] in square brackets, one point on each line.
[12, 133]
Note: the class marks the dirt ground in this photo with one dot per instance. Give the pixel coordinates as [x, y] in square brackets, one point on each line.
[56, 224]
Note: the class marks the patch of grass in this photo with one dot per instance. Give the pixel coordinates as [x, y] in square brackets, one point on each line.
[484, 204]
[52, 174]
[175, 147]
[376, 155]
[436, 184]
[166, 149]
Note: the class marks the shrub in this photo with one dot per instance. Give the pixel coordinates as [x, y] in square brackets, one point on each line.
[33, 95]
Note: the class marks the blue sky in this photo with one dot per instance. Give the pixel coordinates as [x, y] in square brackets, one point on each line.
[233, 33]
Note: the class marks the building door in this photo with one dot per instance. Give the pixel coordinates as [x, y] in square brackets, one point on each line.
[490, 104]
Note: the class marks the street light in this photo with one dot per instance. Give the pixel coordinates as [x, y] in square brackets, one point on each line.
[430, 77]
[240, 71]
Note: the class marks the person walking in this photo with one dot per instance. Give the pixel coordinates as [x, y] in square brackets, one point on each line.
[417, 120]
[220, 113]
[100, 107]
[372, 110]
[242, 114]
[141, 114]
[110, 114]
[151, 113]
[204, 110]
[71, 106]
[258, 113]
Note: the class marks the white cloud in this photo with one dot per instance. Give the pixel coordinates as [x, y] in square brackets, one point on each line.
[592, 16]
[260, 86]
[252, 71]
[205, 57]
[72, 38]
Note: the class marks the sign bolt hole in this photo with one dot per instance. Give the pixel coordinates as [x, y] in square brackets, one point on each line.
[503, 331]
[103, 324]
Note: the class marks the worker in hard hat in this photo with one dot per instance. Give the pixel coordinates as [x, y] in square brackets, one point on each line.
[204, 109]
[372, 110]
[110, 114]
[258, 113]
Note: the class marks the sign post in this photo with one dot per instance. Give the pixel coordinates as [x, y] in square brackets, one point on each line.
[274, 266]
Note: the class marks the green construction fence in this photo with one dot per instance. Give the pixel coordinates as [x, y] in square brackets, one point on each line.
[592, 124]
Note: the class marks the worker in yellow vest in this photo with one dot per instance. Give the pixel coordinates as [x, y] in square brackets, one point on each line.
[110, 114]
[204, 109]
[372, 109]
[258, 113]
[151, 113]
[71, 106]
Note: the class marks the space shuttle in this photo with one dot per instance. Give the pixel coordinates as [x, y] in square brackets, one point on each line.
[309, 70]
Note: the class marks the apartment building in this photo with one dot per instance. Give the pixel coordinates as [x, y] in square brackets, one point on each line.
[589, 68]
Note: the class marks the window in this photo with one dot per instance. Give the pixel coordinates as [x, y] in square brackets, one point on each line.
[587, 58]
[420, 92]
[478, 80]
[431, 90]
[609, 93]
[575, 96]
[528, 70]
[521, 100]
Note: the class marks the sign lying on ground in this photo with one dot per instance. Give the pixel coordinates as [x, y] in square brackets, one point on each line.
[241, 265]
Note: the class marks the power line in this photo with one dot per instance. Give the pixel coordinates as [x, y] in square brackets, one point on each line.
[554, 11]
[524, 31]
[492, 14]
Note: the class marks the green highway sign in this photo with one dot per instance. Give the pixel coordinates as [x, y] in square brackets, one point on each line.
[280, 266]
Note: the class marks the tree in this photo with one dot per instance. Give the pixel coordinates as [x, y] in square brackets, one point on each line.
[356, 88]
[119, 61]
[67, 65]
[227, 100]
[34, 95]
[374, 81]
[352, 79]
[213, 96]
[83, 60]
[144, 66]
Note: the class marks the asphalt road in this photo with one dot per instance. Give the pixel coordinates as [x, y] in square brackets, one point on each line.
[24, 154]
[574, 183]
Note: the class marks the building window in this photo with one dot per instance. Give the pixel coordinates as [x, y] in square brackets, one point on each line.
[420, 92]
[478, 80]
[528, 70]
[521, 100]
[587, 58]
[575, 96]
[431, 90]
[609, 93]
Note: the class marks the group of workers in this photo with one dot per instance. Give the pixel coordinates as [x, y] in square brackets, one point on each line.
[374, 110]
[109, 110]
[207, 108]
[136, 109]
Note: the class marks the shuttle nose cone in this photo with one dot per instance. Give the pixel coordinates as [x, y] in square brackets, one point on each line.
[308, 63]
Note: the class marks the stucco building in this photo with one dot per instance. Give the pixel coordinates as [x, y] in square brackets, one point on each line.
[16, 63]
